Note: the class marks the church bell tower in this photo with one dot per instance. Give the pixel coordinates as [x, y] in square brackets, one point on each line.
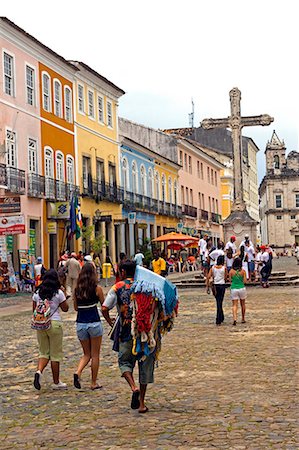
[275, 154]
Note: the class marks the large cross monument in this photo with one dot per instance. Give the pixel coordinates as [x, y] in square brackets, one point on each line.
[239, 222]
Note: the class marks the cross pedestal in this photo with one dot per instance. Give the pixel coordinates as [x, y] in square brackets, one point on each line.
[239, 222]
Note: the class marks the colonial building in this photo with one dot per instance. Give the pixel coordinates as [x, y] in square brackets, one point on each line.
[96, 131]
[150, 195]
[279, 196]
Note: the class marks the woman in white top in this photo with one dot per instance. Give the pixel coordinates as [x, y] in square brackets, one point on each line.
[50, 341]
[218, 274]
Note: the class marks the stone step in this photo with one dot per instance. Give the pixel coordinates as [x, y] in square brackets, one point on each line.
[294, 282]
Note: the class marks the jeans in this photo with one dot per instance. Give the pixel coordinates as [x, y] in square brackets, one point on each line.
[220, 291]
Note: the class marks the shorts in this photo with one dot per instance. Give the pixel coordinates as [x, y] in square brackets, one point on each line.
[89, 330]
[238, 294]
[127, 361]
[251, 266]
[50, 342]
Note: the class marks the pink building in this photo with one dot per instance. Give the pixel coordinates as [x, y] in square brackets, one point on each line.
[200, 187]
[20, 156]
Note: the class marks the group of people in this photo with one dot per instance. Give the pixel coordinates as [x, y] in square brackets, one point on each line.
[87, 295]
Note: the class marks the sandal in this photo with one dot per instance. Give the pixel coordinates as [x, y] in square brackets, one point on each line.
[143, 411]
[77, 383]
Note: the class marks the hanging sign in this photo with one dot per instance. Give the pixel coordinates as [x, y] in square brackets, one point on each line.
[12, 225]
[132, 217]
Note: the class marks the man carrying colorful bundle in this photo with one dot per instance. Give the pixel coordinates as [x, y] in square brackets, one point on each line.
[143, 315]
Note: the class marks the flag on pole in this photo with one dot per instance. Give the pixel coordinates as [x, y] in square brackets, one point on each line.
[75, 218]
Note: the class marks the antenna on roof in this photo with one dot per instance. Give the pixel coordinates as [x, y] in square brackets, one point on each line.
[191, 115]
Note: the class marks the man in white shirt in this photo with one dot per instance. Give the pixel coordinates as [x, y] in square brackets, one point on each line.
[250, 252]
[246, 239]
[138, 258]
[231, 244]
[213, 255]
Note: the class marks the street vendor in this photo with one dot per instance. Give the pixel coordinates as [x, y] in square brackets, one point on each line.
[142, 316]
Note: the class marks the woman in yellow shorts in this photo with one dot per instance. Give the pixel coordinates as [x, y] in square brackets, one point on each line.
[50, 341]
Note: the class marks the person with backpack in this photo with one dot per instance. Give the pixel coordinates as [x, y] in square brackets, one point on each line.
[47, 302]
[89, 327]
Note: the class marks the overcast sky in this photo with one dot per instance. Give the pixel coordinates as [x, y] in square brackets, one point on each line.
[165, 52]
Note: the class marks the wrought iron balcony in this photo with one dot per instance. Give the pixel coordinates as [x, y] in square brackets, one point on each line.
[133, 201]
[3, 175]
[71, 189]
[189, 210]
[15, 180]
[216, 218]
[50, 191]
[36, 185]
[203, 214]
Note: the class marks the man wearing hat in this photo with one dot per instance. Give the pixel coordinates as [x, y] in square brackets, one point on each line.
[73, 268]
[231, 245]
[246, 239]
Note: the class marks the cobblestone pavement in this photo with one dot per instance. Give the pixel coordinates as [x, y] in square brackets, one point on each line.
[216, 387]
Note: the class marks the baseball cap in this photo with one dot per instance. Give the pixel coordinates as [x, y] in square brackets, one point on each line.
[246, 235]
[233, 238]
[87, 258]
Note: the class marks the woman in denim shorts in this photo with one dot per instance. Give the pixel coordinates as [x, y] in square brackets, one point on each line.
[237, 276]
[89, 327]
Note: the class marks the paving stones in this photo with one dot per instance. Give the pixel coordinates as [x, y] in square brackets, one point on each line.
[216, 387]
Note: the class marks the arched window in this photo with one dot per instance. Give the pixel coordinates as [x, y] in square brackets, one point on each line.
[134, 178]
[125, 174]
[175, 191]
[276, 162]
[68, 114]
[49, 163]
[46, 86]
[157, 189]
[170, 189]
[70, 170]
[150, 183]
[143, 179]
[57, 98]
[59, 166]
[163, 188]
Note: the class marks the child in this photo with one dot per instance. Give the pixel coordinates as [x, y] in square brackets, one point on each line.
[229, 259]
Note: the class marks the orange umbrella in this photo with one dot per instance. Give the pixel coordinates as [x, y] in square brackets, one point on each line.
[175, 246]
[192, 244]
[173, 236]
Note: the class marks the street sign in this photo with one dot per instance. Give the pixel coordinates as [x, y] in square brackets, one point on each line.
[10, 205]
[132, 217]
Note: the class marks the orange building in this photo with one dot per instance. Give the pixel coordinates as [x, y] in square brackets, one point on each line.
[57, 154]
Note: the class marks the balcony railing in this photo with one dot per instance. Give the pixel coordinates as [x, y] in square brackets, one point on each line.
[101, 191]
[203, 214]
[189, 210]
[15, 180]
[216, 218]
[3, 175]
[36, 185]
[131, 200]
[50, 191]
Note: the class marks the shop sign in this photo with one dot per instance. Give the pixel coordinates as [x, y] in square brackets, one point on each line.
[10, 205]
[12, 225]
[52, 227]
[132, 217]
[58, 210]
[3, 249]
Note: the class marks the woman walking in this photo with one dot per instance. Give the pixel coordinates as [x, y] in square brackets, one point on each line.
[237, 276]
[89, 328]
[219, 274]
[50, 341]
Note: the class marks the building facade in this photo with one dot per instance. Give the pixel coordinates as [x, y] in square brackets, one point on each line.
[97, 148]
[279, 196]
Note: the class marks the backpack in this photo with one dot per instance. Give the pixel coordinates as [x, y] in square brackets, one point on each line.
[41, 317]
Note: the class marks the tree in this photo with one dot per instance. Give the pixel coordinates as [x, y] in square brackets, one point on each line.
[98, 243]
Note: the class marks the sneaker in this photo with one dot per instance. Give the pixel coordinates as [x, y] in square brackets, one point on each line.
[37, 380]
[59, 385]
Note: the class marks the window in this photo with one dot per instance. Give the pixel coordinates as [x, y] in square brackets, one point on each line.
[191, 197]
[57, 98]
[30, 85]
[297, 200]
[81, 107]
[157, 190]
[134, 178]
[32, 156]
[90, 104]
[68, 104]
[185, 162]
[278, 201]
[278, 217]
[175, 191]
[187, 196]
[181, 158]
[49, 172]
[46, 92]
[201, 170]
[203, 201]
[208, 172]
[199, 200]
[70, 170]
[170, 189]
[163, 188]
[293, 217]
[86, 173]
[150, 183]
[210, 204]
[109, 114]
[213, 204]
[216, 180]
[59, 166]
[125, 174]
[100, 171]
[276, 162]
[112, 174]
[101, 109]
[143, 180]
[198, 169]
[9, 83]
[190, 164]
[11, 149]
[212, 176]
[182, 195]
[216, 206]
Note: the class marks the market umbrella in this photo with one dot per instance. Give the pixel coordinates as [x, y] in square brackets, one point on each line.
[173, 236]
[175, 246]
[192, 244]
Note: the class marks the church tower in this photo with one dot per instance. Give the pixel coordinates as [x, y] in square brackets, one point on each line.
[275, 154]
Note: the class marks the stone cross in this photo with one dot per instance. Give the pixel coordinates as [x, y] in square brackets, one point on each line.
[236, 122]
